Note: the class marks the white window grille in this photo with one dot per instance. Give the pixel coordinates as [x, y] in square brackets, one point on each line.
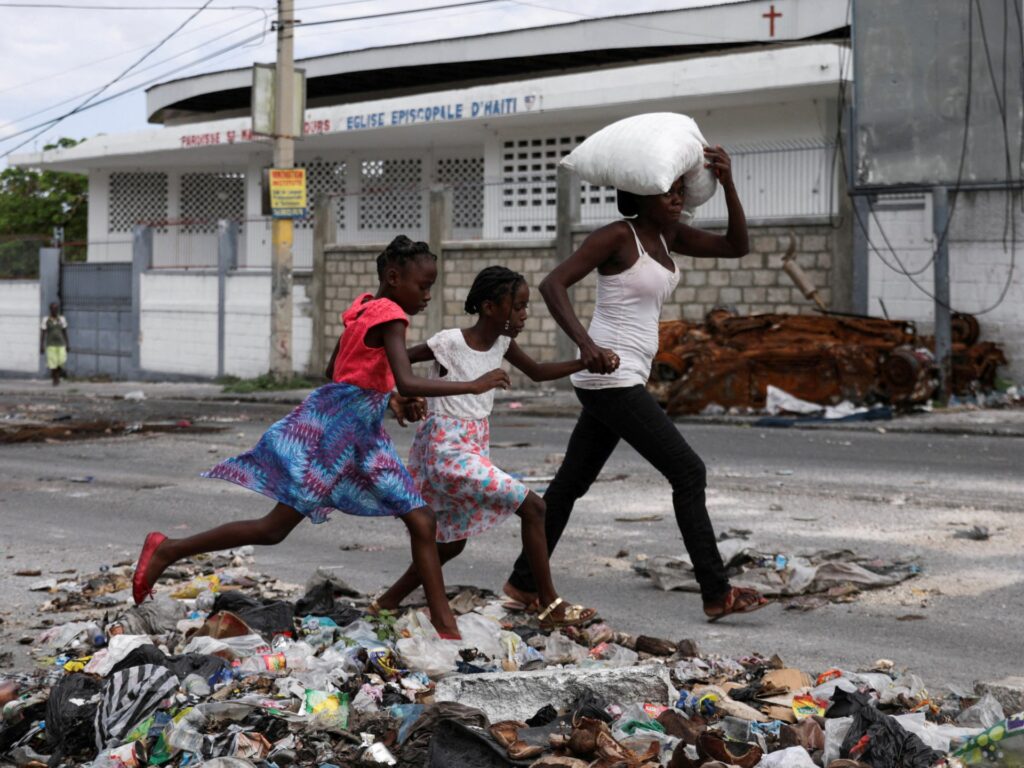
[324, 177]
[529, 187]
[391, 198]
[779, 180]
[208, 197]
[465, 175]
[136, 198]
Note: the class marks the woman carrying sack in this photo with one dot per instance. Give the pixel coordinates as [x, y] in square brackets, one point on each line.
[636, 274]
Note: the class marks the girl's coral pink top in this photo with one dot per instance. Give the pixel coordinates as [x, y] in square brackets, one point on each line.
[358, 364]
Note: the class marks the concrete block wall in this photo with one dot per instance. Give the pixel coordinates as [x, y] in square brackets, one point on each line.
[753, 284]
[247, 326]
[179, 324]
[756, 284]
[19, 326]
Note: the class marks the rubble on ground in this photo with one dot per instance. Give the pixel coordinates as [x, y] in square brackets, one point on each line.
[806, 580]
[228, 668]
[730, 360]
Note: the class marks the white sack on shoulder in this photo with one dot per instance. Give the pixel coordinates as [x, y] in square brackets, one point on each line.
[645, 154]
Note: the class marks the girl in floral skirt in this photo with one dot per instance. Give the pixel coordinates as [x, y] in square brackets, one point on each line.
[332, 451]
[450, 457]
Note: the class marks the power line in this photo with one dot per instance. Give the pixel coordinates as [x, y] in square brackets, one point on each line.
[390, 14]
[119, 54]
[152, 66]
[901, 268]
[124, 73]
[119, 94]
[70, 7]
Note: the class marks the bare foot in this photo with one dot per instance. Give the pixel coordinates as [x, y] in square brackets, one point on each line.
[528, 600]
[448, 631]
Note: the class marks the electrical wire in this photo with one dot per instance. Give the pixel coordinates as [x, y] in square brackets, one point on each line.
[83, 105]
[157, 79]
[391, 14]
[152, 66]
[70, 7]
[901, 269]
[86, 64]
[624, 22]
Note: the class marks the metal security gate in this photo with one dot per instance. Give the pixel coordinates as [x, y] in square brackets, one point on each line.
[96, 299]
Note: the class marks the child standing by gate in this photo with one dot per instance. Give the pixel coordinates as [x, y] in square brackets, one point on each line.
[332, 451]
[53, 342]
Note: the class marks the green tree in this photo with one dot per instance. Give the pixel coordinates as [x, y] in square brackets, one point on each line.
[32, 203]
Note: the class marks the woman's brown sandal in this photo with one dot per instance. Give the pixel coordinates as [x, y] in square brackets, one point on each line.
[572, 616]
[736, 600]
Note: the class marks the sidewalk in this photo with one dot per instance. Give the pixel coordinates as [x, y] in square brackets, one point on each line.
[1002, 422]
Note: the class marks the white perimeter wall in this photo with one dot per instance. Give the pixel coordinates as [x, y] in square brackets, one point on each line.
[979, 264]
[19, 326]
[179, 324]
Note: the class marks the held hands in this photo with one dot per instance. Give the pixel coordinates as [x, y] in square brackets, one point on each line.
[717, 159]
[496, 379]
[407, 408]
[598, 359]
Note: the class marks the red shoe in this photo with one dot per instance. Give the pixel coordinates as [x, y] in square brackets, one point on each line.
[141, 589]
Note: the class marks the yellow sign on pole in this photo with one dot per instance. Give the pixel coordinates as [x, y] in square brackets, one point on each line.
[288, 193]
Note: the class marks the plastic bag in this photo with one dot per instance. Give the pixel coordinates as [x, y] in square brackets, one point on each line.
[794, 757]
[985, 713]
[327, 709]
[481, 633]
[432, 656]
[198, 584]
[559, 649]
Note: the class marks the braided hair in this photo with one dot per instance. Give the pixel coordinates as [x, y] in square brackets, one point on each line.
[491, 285]
[399, 252]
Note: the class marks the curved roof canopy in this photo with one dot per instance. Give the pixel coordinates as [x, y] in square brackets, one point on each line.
[341, 78]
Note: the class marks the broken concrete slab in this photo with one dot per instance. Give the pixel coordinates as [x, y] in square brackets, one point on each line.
[518, 696]
[1008, 691]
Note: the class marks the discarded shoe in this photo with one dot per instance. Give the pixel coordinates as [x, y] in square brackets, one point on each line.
[680, 727]
[714, 747]
[806, 733]
[506, 732]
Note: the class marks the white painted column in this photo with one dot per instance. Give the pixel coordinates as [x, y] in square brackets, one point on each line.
[256, 239]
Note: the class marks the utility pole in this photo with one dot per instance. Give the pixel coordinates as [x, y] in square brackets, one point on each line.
[282, 228]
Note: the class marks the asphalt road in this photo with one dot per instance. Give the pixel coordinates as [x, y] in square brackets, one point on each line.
[877, 493]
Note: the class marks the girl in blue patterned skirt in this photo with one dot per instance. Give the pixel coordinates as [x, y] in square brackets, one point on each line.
[332, 452]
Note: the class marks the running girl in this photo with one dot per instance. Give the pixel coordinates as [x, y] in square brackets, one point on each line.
[450, 457]
[332, 451]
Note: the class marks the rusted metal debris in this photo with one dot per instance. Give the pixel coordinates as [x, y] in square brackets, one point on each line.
[730, 360]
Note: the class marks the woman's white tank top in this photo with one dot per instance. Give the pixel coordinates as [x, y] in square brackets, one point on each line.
[626, 319]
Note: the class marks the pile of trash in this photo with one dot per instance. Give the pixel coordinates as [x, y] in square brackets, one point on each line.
[229, 669]
[730, 360]
[807, 580]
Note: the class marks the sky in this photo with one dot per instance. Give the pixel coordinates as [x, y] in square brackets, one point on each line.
[54, 58]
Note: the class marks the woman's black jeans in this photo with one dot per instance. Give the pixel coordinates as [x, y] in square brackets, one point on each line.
[633, 415]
